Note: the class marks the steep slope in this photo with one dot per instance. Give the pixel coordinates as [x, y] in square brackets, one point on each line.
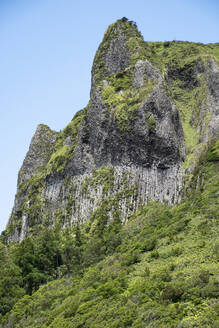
[152, 112]
[159, 270]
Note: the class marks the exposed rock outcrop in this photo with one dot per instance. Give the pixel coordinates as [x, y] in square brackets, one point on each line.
[41, 148]
[128, 146]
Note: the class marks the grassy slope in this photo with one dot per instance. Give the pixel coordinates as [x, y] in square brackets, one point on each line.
[165, 272]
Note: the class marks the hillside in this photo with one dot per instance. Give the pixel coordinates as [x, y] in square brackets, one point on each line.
[115, 220]
[161, 269]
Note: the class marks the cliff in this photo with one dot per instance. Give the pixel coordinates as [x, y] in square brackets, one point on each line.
[152, 114]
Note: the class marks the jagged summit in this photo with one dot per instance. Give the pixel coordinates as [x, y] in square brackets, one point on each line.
[119, 44]
[152, 113]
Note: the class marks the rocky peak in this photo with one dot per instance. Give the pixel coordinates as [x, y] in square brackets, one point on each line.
[115, 51]
[40, 150]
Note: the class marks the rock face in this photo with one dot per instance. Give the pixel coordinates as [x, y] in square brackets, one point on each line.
[41, 148]
[212, 77]
[128, 146]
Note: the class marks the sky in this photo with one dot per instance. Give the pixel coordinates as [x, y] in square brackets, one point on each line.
[46, 53]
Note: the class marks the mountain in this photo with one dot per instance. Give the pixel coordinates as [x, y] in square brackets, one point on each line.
[152, 112]
[117, 214]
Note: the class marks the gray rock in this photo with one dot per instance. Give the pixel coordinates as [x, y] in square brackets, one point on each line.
[40, 150]
[117, 56]
[144, 69]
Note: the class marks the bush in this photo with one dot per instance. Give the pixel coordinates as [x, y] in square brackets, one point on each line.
[171, 293]
[155, 254]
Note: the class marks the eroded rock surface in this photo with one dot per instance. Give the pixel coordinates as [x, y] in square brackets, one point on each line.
[40, 150]
[128, 146]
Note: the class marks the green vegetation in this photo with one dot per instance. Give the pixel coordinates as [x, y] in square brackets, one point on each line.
[151, 122]
[189, 104]
[103, 176]
[124, 101]
[10, 280]
[213, 152]
[59, 159]
[124, 105]
[121, 81]
[160, 268]
[64, 153]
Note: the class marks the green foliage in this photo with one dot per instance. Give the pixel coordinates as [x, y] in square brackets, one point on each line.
[159, 268]
[59, 159]
[64, 153]
[213, 152]
[38, 258]
[171, 293]
[125, 103]
[103, 176]
[11, 281]
[151, 122]
[122, 80]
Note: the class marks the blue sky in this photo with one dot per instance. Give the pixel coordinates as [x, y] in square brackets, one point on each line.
[47, 49]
